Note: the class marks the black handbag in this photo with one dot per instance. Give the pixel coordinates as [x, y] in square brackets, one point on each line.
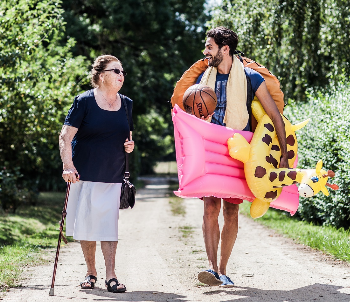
[128, 191]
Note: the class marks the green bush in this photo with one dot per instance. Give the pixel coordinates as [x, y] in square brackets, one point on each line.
[39, 78]
[11, 194]
[326, 137]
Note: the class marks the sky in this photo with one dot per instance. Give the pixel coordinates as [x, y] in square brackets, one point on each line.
[212, 3]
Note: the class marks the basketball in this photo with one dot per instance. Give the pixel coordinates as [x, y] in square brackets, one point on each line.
[199, 100]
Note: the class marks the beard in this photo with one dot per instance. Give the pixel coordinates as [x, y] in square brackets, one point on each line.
[216, 60]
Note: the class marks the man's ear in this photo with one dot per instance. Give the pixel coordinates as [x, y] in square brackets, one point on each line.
[226, 49]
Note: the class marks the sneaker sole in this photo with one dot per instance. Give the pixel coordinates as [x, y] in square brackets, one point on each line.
[227, 285]
[209, 279]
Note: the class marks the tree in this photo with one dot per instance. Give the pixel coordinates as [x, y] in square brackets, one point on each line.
[39, 78]
[156, 41]
[303, 42]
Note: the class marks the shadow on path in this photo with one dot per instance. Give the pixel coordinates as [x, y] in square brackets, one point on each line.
[315, 292]
[138, 296]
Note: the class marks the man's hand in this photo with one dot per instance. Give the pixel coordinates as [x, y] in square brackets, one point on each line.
[208, 118]
[272, 111]
[284, 162]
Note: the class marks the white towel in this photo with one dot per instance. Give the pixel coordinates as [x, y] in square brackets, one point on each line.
[236, 116]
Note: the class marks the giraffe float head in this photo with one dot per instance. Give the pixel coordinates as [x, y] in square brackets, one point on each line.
[315, 180]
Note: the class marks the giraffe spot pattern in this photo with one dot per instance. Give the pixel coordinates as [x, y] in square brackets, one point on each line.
[275, 148]
[290, 140]
[292, 175]
[273, 176]
[267, 139]
[269, 127]
[271, 194]
[291, 154]
[271, 160]
[260, 172]
[281, 175]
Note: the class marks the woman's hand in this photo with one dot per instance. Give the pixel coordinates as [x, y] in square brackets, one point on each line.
[129, 146]
[70, 175]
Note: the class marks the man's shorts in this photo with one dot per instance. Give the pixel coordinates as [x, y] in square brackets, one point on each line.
[234, 200]
[231, 200]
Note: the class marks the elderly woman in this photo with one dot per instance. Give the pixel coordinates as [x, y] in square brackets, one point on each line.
[92, 142]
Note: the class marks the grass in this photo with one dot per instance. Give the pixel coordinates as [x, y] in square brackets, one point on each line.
[27, 233]
[332, 241]
[177, 206]
[138, 184]
[186, 231]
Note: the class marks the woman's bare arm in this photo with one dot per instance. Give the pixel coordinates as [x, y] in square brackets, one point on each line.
[65, 143]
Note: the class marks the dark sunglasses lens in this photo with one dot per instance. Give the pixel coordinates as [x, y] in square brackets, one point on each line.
[117, 71]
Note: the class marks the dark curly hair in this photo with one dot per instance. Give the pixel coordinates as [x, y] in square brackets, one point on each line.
[224, 36]
[99, 65]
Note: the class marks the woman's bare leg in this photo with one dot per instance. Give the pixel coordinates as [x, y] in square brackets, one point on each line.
[89, 250]
[109, 249]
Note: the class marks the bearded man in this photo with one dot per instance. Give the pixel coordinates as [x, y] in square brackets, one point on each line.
[235, 87]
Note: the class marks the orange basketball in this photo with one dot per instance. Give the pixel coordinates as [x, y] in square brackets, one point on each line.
[199, 100]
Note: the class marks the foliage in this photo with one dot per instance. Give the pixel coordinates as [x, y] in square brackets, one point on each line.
[38, 74]
[156, 41]
[326, 137]
[303, 42]
[11, 195]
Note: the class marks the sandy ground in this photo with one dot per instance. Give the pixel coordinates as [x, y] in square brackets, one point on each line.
[157, 263]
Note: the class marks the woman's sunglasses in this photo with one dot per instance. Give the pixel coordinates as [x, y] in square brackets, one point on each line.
[117, 71]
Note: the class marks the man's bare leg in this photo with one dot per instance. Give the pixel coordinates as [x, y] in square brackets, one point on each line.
[109, 249]
[89, 250]
[211, 230]
[228, 234]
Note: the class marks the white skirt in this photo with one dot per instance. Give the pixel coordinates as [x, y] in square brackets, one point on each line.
[93, 211]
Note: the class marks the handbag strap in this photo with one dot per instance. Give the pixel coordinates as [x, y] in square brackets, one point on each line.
[127, 173]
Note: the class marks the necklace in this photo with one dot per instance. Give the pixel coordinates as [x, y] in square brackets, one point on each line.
[109, 104]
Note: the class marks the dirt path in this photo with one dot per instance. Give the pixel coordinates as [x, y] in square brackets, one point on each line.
[157, 263]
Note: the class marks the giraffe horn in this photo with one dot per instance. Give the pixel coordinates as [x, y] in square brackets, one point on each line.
[332, 186]
[330, 173]
[297, 127]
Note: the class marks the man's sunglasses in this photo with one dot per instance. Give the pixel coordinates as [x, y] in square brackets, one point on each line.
[117, 71]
